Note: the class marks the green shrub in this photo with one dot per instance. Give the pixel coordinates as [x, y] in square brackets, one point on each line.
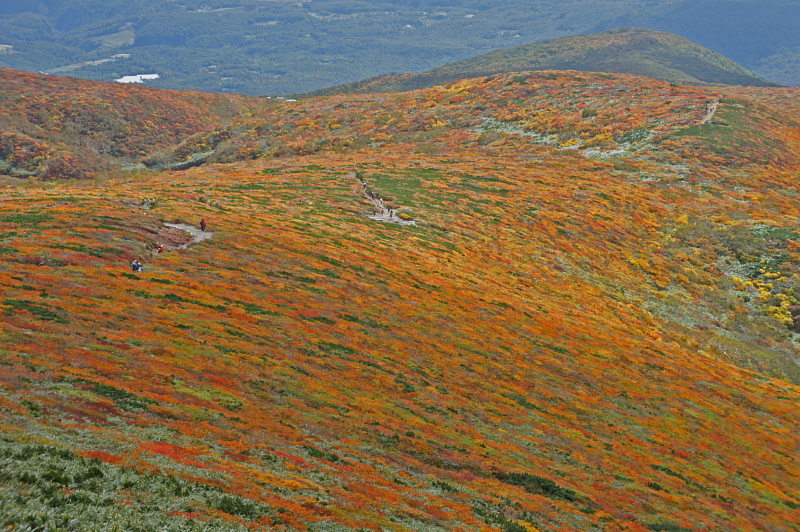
[238, 507]
[39, 311]
[537, 484]
[323, 455]
[336, 349]
[124, 399]
[444, 486]
[666, 527]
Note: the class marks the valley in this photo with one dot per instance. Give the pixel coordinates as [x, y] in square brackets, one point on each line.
[275, 47]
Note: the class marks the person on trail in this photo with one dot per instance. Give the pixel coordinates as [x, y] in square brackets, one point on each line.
[160, 248]
[202, 224]
[136, 266]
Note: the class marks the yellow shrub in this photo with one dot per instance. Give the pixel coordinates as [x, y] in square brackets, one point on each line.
[569, 143]
[599, 140]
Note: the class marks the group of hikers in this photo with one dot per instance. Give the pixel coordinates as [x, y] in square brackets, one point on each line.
[378, 201]
[139, 267]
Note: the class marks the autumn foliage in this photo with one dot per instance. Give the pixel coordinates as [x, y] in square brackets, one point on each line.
[559, 343]
[91, 126]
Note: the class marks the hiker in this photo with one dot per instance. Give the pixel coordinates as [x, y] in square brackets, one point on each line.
[160, 248]
[202, 224]
[136, 266]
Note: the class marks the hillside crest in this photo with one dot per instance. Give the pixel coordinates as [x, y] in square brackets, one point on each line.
[637, 51]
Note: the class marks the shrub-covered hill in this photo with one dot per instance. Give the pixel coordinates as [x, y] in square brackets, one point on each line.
[57, 128]
[638, 51]
[575, 334]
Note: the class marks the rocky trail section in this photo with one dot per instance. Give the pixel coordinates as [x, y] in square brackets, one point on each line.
[198, 235]
[169, 235]
[711, 109]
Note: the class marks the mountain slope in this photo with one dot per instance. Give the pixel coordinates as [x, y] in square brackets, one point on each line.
[57, 128]
[636, 51]
[757, 34]
[590, 325]
[627, 50]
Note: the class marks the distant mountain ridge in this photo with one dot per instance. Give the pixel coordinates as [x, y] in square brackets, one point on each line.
[636, 51]
[282, 47]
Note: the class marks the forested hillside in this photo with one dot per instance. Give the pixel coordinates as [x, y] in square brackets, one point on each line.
[287, 47]
[538, 301]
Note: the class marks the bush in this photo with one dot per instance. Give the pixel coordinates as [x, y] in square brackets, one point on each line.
[239, 507]
[537, 484]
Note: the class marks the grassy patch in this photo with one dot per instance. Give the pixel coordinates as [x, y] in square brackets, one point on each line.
[26, 218]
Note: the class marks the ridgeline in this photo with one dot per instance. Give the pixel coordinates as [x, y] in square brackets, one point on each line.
[637, 51]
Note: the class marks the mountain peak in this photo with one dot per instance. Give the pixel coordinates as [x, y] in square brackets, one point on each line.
[637, 51]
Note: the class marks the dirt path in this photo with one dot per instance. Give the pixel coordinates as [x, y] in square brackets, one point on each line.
[197, 234]
[710, 110]
[381, 211]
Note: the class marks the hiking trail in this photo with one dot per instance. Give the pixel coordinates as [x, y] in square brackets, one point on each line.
[711, 109]
[381, 211]
[197, 234]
